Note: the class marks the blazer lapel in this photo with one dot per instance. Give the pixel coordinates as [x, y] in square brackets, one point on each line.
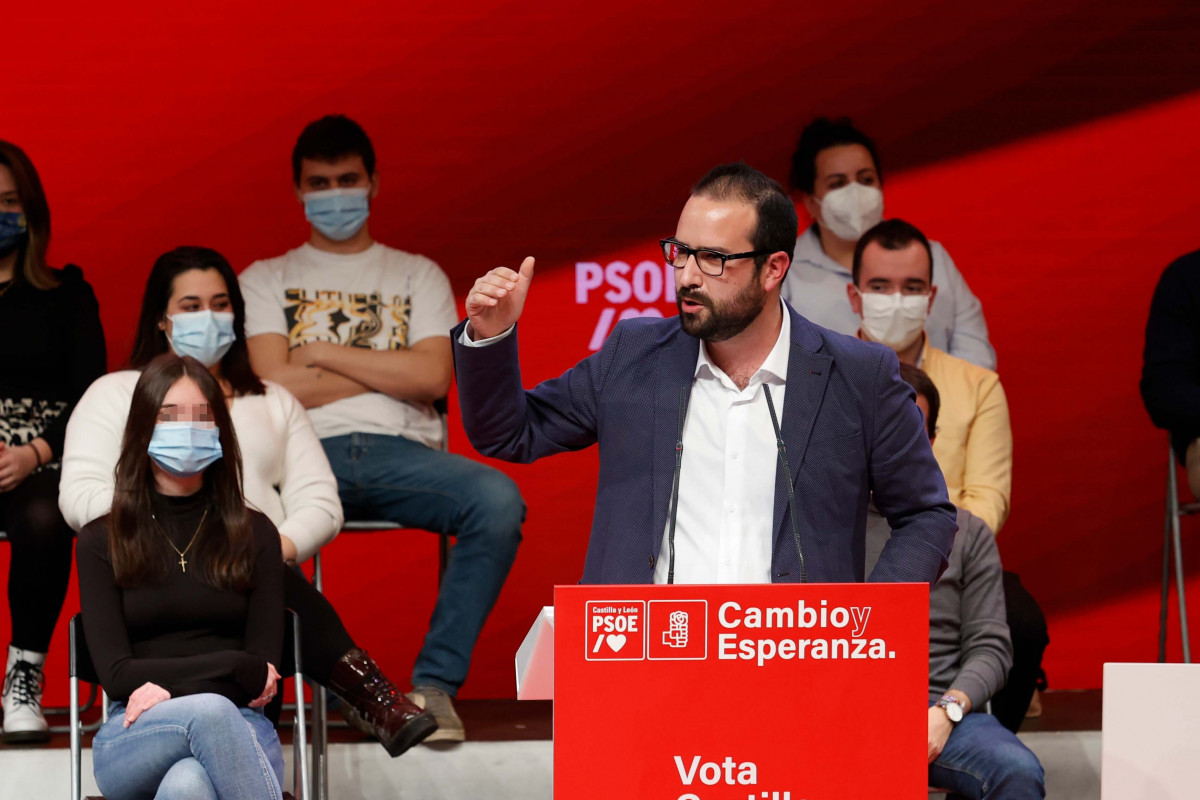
[807, 377]
[674, 373]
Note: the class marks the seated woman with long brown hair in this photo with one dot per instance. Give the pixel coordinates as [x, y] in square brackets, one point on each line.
[181, 587]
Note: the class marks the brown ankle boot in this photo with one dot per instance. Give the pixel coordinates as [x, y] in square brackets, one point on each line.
[394, 720]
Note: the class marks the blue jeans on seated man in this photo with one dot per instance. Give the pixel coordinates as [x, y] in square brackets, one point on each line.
[984, 760]
[197, 747]
[394, 478]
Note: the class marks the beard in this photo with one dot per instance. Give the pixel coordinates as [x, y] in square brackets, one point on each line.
[719, 322]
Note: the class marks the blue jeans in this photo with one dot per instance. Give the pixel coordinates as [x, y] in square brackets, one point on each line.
[984, 760]
[198, 747]
[397, 479]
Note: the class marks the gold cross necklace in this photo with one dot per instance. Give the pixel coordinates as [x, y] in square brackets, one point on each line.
[183, 552]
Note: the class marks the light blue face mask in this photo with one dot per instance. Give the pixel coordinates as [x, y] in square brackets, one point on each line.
[185, 449]
[12, 231]
[204, 335]
[337, 213]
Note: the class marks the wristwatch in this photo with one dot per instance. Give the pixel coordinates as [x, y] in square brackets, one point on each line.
[953, 708]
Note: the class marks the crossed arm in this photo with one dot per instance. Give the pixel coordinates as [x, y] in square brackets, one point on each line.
[318, 373]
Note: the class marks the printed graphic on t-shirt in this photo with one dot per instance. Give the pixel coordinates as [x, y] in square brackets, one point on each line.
[353, 319]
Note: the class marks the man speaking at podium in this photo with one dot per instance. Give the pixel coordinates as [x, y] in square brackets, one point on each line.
[738, 443]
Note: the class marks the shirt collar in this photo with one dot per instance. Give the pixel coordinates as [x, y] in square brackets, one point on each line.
[923, 356]
[808, 249]
[773, 369]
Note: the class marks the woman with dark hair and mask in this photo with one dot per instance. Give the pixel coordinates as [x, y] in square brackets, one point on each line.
[51, 348]
[181, 587]
[192, 306]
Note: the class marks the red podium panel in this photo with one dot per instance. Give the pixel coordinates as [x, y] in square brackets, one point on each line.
[765, 692]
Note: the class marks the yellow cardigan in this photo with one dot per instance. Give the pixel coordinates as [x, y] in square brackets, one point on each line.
[974, 443]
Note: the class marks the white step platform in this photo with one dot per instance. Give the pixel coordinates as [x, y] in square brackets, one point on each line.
[493, 770]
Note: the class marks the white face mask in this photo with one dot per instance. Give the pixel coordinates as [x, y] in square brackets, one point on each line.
[895, 320]
[850, 211]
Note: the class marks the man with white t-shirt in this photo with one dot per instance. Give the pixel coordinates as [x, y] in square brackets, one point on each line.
[359, 332]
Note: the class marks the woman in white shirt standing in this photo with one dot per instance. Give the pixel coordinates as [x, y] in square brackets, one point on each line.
[192, 306]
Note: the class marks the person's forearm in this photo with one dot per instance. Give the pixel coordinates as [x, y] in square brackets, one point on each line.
[400, 374]
[309, 529]
[963, 699]
[314, 386]
[45, 453]
[988, 503]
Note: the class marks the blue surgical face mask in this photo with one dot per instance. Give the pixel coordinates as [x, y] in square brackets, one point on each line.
[13, 230]
[204, 335]
[337, 213]
[185, 449]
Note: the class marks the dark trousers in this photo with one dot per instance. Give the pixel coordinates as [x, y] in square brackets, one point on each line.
[40, 567]
[323, 637]
[1027, 626]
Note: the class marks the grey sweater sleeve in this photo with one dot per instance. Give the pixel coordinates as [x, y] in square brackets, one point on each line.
[986, 649]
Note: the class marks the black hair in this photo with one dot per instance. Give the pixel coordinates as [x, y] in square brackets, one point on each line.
[777, 223]
[329, 139]
[891, 234]
[150, 340]
[821, 134]
[921, 383]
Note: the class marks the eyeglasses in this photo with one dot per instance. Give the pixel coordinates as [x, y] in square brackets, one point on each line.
[710, 262]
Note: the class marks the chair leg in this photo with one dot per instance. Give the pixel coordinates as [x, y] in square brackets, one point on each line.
[1166, 573]
[320, 715]
[301, 781]
[76, 736]
[320, 760]
[1179, 586]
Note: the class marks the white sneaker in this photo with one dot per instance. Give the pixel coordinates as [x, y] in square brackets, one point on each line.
[23, 719]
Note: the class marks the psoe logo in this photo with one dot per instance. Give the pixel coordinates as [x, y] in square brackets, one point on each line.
[678, 630]
[616, 630]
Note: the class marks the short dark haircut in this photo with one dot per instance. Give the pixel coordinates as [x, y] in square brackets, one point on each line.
[777, 226]
[329, 139]
[150, 341]
[821, 134]
[891, 234]
[920, 382]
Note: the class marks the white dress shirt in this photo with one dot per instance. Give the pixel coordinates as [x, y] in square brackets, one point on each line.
[725, 524]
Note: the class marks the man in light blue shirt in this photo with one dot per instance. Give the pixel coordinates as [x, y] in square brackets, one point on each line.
[836, 170]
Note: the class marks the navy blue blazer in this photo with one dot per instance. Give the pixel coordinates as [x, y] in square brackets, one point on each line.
[850, 425]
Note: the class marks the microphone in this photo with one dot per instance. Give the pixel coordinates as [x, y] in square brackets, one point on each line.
[674, 504]
[787, 472]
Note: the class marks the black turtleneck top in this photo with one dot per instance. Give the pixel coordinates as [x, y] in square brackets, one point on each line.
[180, 633]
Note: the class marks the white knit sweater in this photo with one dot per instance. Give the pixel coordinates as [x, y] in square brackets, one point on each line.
[285, 473]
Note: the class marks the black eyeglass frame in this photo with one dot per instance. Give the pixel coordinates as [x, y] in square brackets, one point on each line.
[690, 252]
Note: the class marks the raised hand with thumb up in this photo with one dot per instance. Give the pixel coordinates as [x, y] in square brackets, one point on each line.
[495, 302]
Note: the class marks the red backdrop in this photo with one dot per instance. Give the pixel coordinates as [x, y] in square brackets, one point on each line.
[1051, 147]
